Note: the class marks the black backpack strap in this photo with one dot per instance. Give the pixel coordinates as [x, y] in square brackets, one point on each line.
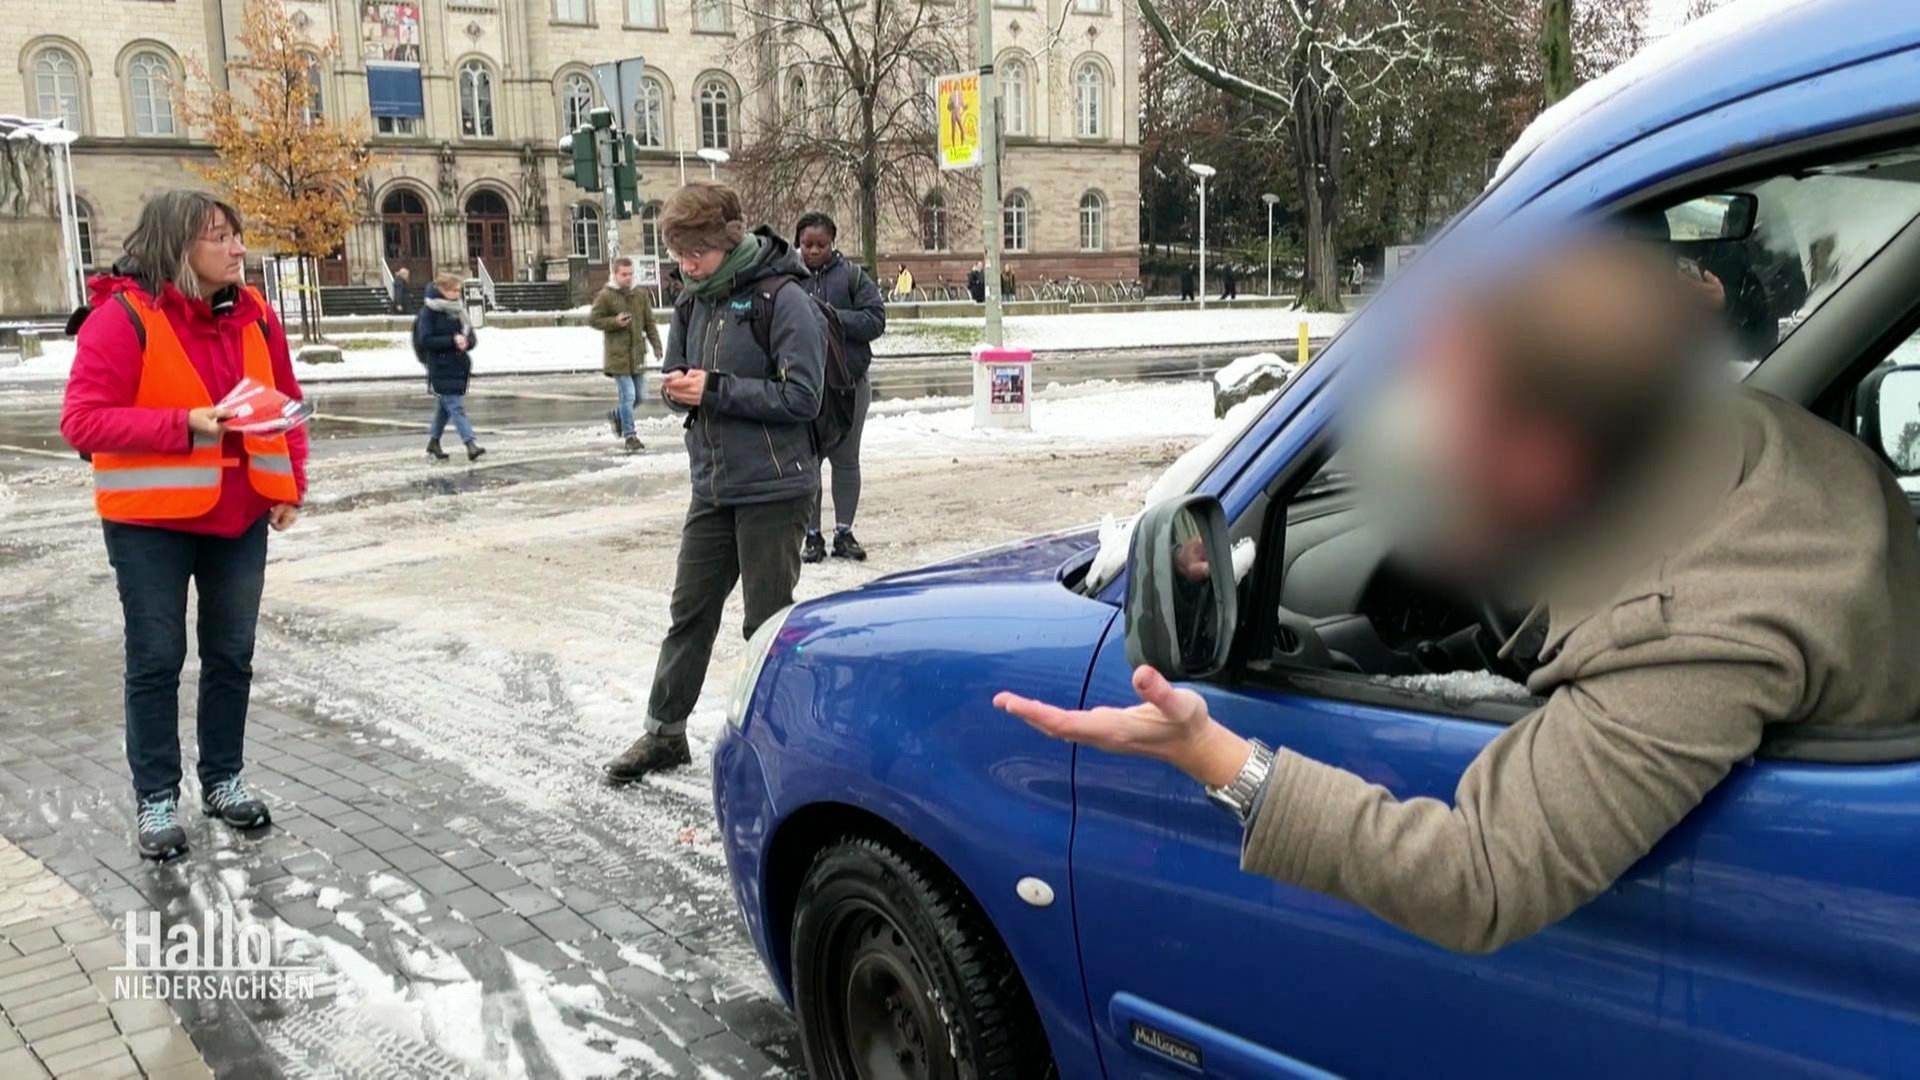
[139, 327]
[762, 317]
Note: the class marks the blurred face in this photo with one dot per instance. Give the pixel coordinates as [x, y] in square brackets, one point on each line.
[623, 276]
[700, 263]
[218, 257]
[816, 247]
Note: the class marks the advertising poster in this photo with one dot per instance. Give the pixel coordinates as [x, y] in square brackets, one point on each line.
[956, 100]
[1008, 393]
[390, 32]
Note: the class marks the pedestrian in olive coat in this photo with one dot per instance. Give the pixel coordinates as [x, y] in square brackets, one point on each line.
[624, 315]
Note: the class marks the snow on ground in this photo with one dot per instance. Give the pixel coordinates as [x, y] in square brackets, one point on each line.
[533, 350]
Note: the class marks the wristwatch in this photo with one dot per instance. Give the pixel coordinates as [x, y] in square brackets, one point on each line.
[1238, 797]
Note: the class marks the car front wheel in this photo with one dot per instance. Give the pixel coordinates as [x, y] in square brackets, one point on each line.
[898, 974]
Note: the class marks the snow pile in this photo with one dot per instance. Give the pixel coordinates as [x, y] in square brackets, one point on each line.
[1244, 367]
[1461, 687]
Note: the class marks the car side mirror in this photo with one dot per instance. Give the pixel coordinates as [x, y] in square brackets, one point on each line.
[1729, 216]
[1890, 417]
[1182, 606]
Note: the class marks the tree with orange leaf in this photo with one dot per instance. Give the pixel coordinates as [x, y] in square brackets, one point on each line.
[288, 169]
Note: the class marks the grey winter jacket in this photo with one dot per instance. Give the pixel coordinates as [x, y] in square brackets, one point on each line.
[750, 440]
[863, 311]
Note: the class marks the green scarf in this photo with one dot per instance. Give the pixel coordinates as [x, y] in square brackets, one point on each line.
[719, 284]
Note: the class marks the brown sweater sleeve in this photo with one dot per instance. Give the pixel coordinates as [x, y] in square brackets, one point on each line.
[1549, 814]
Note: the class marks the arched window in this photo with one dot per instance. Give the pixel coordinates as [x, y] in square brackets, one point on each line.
[716, 116]
[83, 220]
[650, 230]
[586, 232]
[576, 100]
[650, 112]
[796, 98]
[933, 222]
[476, 100]
[150, 88]
[56, 87]
[1015, 90]
[316, 89]
[1089, 101]
[1013, 222]
[1093, 222]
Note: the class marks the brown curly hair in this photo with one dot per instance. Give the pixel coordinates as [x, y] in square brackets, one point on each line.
[703, 216]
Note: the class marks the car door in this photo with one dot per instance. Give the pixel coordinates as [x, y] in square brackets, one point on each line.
[1770, 934]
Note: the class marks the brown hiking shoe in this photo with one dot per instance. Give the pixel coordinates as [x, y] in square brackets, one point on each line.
[649, 753]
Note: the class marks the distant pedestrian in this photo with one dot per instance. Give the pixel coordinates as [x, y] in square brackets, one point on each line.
[1008, 285]
[443, 340]
[863, 318]
[1229, 284]
[903, 284]
[977, 283]
[1186, 283]
[402, 292]
[624, 315]
[749, 440]
[173, 328]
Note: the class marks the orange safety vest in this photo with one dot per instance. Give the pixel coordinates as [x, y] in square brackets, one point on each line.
[174, 487]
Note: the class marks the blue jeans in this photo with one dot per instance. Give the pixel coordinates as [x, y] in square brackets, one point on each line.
[152, 567]
[629, 389]
[451, 407]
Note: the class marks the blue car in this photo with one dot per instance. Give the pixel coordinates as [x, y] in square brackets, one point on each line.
[940, 891]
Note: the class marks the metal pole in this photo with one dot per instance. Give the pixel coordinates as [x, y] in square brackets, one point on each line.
[1203, 243]
[990, 210]
[606, 193]
[1269, 250]
[683, 163]
[62, 164]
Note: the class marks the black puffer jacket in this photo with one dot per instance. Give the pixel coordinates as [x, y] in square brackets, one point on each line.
[448, 368]
[750, 440]
[863, 312]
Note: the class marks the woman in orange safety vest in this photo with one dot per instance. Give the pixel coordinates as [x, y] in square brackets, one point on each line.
[167, 333]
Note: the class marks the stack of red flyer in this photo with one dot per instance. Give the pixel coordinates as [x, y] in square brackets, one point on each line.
[254, 409]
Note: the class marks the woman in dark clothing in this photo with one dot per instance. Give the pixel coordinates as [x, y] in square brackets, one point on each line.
[863, 318]
[442, 339]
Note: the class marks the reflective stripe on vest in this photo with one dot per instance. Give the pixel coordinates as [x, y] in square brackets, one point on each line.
[172, 487]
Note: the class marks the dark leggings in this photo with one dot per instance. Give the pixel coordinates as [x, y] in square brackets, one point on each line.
[845, 460]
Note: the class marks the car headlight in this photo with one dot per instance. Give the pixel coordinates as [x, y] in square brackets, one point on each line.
[748, 676]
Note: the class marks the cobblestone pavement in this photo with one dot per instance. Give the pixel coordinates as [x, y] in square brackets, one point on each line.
[58, 1013]
[446, 654]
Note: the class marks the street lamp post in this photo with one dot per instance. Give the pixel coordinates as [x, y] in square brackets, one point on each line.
[714, 159]
[1204, 172]
[1270, 199]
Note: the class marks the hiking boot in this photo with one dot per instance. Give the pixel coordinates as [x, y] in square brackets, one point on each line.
[434, 451]
[160, 836]
[649, 753]
[613, 420]
[474, 450]
[846, 547]
[634, 445]
[231, 802]
[815, 549]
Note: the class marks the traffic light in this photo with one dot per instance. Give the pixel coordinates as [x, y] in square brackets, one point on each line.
[626, 177]
[580, 158]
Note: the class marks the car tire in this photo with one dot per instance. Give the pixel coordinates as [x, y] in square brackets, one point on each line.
[898, 974]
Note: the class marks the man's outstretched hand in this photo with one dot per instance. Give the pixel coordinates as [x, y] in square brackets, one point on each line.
[1171, 725]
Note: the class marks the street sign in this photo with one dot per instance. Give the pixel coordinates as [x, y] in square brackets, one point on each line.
[956, 100]
[621, 85]
[646, 272]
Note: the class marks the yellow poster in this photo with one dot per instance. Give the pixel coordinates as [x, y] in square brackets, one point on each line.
[956, 100]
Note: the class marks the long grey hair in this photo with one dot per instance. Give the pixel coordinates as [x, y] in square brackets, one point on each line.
[161, 241]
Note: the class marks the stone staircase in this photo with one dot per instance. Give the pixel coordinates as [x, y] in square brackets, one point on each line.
[355, 300]
[532, 295]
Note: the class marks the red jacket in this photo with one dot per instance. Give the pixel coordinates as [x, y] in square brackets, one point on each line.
[99, 415]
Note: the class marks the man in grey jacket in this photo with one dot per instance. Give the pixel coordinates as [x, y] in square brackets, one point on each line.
[749, 445]
[1710, 561]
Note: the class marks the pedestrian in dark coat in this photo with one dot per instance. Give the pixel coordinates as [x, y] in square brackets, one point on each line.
[1186, 283]
[977, 283]
[750, 412]
[863, 318]
[443, 340]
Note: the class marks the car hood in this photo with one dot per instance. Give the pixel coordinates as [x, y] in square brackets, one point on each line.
[1035, 558]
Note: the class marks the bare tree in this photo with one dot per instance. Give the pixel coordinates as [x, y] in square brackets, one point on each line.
[846, 107]
[1308, 62]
